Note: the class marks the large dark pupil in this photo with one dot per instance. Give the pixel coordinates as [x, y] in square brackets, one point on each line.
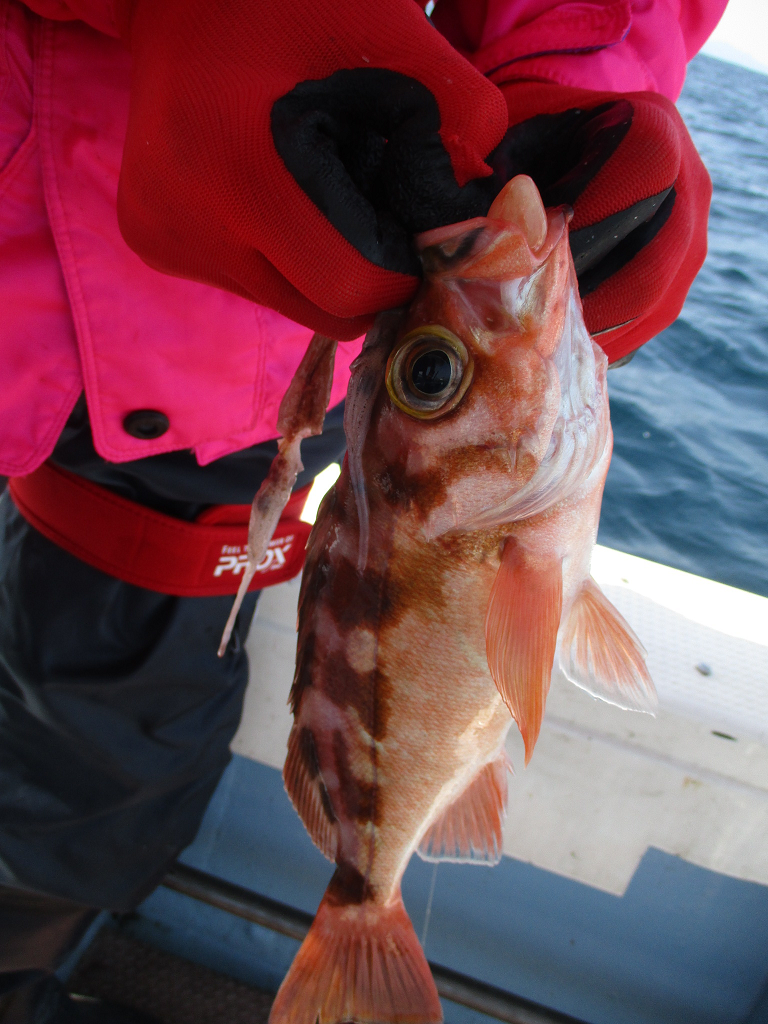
[431, 372]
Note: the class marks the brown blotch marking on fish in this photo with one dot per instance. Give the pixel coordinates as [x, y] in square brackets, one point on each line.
[479, 545]
[429, 487]
[348, 886]
[366, 693]
[420, 491]
[420, 578]
[466, 461]
[417, 580]
[354, 597]
[318, 577]
[358, 602]
[358, 798]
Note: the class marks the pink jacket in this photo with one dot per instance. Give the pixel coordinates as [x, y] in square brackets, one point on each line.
[78, 310]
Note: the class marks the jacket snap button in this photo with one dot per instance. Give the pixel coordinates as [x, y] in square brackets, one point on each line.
[146, 424]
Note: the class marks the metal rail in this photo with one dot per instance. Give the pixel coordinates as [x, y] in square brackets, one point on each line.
[279, 917]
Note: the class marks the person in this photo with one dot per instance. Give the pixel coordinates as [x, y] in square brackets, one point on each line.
[189, 189]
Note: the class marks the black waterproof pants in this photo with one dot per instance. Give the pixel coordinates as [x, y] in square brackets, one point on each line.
[115, 712]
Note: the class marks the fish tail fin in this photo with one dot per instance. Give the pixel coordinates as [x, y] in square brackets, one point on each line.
[521, 634]
[359, 962]
[600, 653]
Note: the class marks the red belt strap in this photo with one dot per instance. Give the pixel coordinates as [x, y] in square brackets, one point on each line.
[152, 550]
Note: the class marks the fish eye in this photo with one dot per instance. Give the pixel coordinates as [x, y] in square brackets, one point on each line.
[429, 372]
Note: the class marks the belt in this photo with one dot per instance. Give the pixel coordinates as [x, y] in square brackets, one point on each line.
[152, 550]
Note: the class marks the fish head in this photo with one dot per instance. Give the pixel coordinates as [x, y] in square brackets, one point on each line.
[501, 281]
[490, 368]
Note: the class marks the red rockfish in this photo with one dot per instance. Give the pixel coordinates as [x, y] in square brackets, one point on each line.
[447, 570]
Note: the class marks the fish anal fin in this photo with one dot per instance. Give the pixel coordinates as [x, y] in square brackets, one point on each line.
[304, 785]
[600, 653]
[359, 962]
[521, 634]
[470, 829]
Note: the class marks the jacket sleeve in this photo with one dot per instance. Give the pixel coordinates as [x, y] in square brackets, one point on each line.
[616, 45]
[698, 19]
[621, 45]
[99, 14]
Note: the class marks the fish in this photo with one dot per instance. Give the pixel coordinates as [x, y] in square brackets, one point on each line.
[447, 572]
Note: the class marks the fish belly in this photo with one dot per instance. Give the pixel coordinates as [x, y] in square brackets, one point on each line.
[440, 715]
[393, 686]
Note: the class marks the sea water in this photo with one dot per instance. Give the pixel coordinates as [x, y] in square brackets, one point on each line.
[688, 485]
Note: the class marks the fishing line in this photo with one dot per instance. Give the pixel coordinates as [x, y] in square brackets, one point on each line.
[429, 907]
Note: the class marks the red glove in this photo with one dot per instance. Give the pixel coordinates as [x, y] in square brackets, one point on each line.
[289, 154]
[640, 195]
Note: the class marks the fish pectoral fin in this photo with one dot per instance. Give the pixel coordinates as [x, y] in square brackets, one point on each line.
[470, 829]
[304, 785]
[600, 653]
[521, 634]
[362, 962]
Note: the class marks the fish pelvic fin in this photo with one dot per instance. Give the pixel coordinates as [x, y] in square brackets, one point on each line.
[521, 634]
[359, 962]
[304, 785]
[470, 829]
[600, 653]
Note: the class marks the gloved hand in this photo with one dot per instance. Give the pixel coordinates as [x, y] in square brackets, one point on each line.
[639, 191]
[289, 154]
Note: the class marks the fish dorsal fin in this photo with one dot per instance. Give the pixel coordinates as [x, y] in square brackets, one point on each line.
[600, 653]
[521, 634]
[304, 785]
[469, 830]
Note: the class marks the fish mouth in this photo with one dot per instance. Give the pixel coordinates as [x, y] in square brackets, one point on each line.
[517, 220]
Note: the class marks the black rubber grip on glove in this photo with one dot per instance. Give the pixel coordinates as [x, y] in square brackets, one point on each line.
[563, 153]
[364, 145]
